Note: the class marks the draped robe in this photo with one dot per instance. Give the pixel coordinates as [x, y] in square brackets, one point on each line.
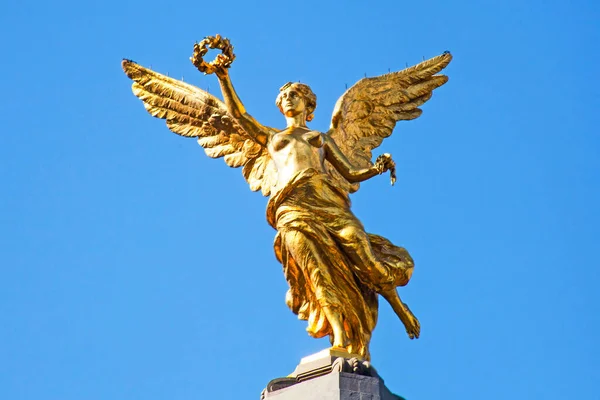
[312, 216]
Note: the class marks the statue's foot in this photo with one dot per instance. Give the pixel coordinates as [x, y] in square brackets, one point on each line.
[411, 323]
[340, 339]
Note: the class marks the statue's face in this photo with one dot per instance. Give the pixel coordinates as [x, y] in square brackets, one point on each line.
[292, 102]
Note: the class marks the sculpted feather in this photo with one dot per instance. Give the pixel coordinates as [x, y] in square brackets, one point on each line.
[367, 112]
[191, 112]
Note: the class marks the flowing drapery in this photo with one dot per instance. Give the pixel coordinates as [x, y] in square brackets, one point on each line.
[317, 240]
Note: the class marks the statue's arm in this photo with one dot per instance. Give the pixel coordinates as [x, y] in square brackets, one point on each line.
[334, 155]
[258, 132]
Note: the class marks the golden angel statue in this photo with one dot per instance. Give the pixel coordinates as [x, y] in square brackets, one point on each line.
[335, 269]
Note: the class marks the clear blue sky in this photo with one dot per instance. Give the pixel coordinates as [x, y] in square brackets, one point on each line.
[132, 266]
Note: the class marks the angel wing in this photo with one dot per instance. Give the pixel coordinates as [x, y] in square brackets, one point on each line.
[367, 112]
[190, 111]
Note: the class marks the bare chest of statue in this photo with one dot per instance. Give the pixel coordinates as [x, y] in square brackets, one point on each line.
[295, 150]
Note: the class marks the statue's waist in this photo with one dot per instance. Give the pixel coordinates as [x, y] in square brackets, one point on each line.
[307, 191]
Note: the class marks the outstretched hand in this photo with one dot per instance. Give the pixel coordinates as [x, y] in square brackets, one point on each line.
[385, 163]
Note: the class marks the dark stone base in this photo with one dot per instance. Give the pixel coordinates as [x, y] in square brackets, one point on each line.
[332, 374]
[335, 386]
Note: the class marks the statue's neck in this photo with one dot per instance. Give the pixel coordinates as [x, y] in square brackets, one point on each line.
[297, 121]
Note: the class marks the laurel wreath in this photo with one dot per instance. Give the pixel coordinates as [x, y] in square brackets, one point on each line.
[222, 60]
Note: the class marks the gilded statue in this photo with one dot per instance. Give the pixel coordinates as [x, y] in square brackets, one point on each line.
[335, 269]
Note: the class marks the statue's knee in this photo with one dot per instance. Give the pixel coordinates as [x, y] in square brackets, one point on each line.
[409, 272]
[352, 234]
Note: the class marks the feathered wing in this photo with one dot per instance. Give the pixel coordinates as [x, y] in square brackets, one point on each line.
[190, 111]
[367, 112]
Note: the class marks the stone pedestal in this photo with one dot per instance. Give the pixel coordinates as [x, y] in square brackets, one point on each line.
[332, 374]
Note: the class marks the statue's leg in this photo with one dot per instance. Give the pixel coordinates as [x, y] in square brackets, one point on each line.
[339, 339]
[306, 254]
[374, 273]
[370, 270]
[411, 323]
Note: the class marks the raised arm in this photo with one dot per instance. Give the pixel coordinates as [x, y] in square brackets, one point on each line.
[258, 132]
[335, 156]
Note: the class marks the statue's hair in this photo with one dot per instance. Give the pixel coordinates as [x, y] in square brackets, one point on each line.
[309, 97]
